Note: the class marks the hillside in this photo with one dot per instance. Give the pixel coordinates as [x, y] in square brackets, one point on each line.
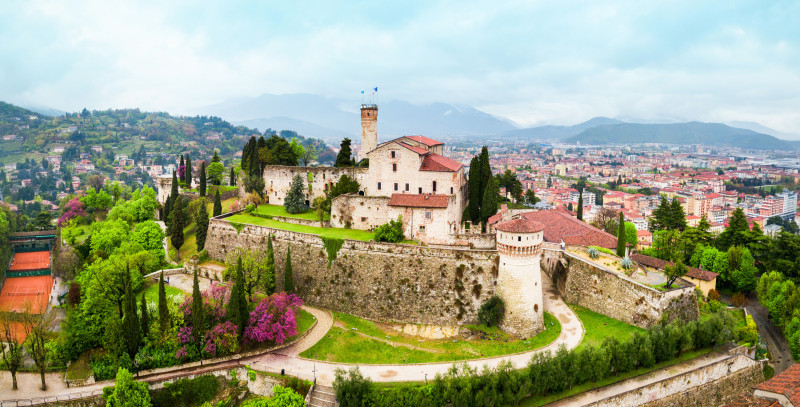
[714, 134]
[558, 132]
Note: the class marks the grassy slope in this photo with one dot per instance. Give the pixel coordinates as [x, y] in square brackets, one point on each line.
[277, 210]
[352, 234]
[151, 293]
[598, 326]
[347, 345]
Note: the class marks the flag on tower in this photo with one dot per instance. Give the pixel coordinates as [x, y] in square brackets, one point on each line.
[362, 92]
[376, 89]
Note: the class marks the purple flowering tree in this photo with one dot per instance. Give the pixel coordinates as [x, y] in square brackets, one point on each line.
[72, 210]
[274, 319]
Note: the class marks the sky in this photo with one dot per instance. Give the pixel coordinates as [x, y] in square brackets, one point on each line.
[534, 62]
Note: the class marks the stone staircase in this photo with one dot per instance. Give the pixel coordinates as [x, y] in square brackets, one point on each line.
[323, 396]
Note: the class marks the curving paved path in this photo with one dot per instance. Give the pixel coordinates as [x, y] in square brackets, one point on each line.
[288, 359]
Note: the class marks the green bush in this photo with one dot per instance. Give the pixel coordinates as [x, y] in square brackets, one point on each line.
[492, 311]
[603, 250]
[593, 252]
[186, 392]
[391, 231]
[249, 208]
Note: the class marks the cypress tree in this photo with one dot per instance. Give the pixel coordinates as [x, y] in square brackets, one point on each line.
[580, 204]
[217, 205]
[246, 154]
[490, 198]
[621, 236]
[188, 172]
[237, 304]
[288, 278]
[145, 318]
[183, 174]
[176, 235]
[130, 321]
[486, 170]
[475, 197]
[201, 222]
[255, 163]
[269, 279]
[343, 159]
[198, 312]
[173, 193]
[202, 186]
[163, 311]
[232, 179]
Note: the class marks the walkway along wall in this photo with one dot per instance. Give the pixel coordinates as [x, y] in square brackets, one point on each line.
[381, 281]
[615, 295]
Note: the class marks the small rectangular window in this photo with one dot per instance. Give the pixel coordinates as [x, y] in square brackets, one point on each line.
[428, 215]
[393, 154]
[394, 167]
[420, 190]
[434, 186]
[407, 187]
[422, 229]
[451, 190]
[395, 186]
[379, 186]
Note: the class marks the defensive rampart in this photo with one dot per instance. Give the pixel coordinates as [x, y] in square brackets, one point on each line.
[381, 281]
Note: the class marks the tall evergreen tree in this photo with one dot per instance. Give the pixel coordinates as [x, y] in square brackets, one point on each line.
[176, 236]
[201, 225]
[130, 321]
[678, 216]
[248, 147]
[163, 311]
[269, 279]
[145, 320]
[288, 277]
[232, 178]
[202, 186]
[734, 234]
[217, 204]
[188, 172]
[475, 196]
[237, 304]
[182, 175]
[344, 158]
[580, 204]
[486, 170]
[491, 196]
[215, 158]
[173, 193]
[256, 165]
[295, 198]
[661, 217]
[198, 312]
[621, 236]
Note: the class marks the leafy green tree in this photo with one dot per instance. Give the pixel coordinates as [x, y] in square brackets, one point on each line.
[295, 198]
[352, 388]
[492, 311]
[345, 185]
[677, 215]
[215, 172]
[237, 303]
[215, 158]
[36, 327]
[530, 197]
[674, 271]
[177, 225]
[288, 277]
[217, 205]
[202, 187]
[745, 276]
[149, 236]
[11, 352]
[130, 323]
[198, 312]
[145, 320]
[163, 311]
[721, 266]
[391, 231]
[126, 391]
[734, 234]
[490, 200]
[631, 234]
[344, 158]
[201, 225]
[621, 236]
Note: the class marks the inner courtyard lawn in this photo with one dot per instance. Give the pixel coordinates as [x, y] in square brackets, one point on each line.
[352, 234]
[597, 327]
[356, 340]
[151, 293]
[279, 210]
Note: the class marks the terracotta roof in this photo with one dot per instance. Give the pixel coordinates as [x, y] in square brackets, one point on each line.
[419, 200]
[787, 383]
[693, 272]
[749, 400]
[520, 225]
[418, 150]
[560, 226]
[436, 162]
[424, 140]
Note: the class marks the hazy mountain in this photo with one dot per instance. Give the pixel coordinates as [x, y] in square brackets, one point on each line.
[46, 111]
[715, 134]
[558, 132]
[304, 128]
[341, 117]
[759, 128]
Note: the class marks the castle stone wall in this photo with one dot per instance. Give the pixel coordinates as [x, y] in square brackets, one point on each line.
[380, 281]
[615, 295]
[278, 179]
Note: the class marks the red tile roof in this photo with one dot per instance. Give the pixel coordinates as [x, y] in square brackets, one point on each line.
[419, 200]
[693, 272]
[424, 140]
[520, 225]
[436, 162]
[787, 383]
[418, 150]
[559, 225]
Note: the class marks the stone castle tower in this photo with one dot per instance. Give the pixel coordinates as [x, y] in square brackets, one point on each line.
[369, 129]
[519, 279]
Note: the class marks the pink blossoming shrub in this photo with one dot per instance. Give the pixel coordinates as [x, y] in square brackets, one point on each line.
[221, 339]
[214, 300]
[72, 210]
[274, 319]
[181, 171]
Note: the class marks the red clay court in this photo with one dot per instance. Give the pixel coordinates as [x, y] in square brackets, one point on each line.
[30, 261]
[20, 291]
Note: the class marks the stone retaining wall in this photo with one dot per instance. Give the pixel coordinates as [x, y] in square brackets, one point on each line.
[710, 385]
[615, 295]
[380, 281]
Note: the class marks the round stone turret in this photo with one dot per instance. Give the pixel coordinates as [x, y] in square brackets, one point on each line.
[519, 279]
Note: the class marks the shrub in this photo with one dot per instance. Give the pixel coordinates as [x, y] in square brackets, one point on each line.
[714, 305]
[391, 231]
[713, 295]
[249, 208]
[593, 252]
[738, 300]
[603, 250]
[492, 311]
[748, 333]
[627, 263]
[187, 392]
[352, 389]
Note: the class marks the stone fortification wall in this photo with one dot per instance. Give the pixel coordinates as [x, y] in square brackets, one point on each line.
[707, 386]
[381, 281]
[614, 294]
[359, 212]
[278, 179]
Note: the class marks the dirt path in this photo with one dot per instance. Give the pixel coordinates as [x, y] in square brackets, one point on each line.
[781, 354]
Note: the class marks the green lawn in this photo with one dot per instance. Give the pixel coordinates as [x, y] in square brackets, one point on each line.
[352, 234]
[304, 322]
[277, 210]
[151, 293]
[80, 368]
[540, 400]
[598, 326]
[350, 345]
[663, 286]
[226, 205]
